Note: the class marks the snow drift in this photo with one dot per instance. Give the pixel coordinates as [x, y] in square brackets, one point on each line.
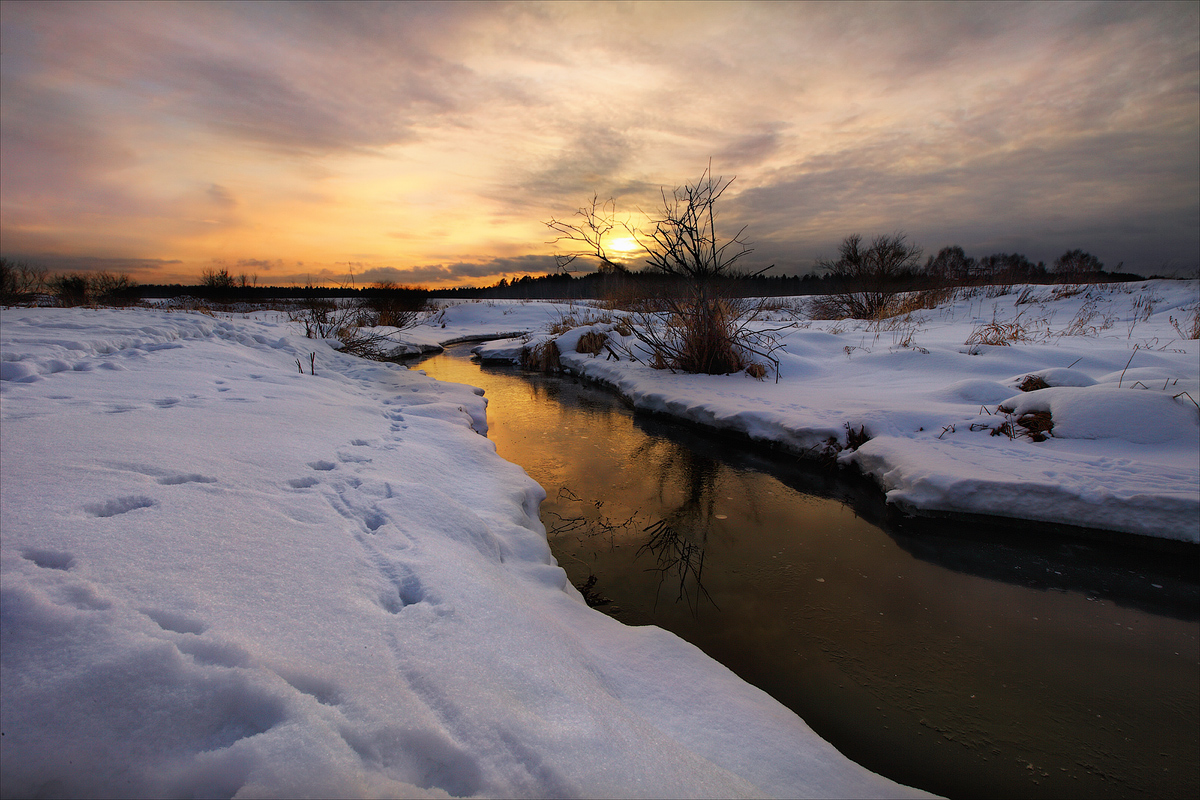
[223, 574]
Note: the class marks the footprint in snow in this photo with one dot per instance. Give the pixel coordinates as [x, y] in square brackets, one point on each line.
[303, 483]
[175, 480]
[49, 559]
[119, 505]
[175, 621]
[322, 466]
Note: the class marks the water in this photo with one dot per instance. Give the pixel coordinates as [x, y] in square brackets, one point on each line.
[989, 664]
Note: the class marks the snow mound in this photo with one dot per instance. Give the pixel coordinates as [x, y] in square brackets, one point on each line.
[974, 390]
[1056, 376]
[1137, 416]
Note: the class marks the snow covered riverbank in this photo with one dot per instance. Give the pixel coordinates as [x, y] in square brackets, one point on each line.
[1121, 387]
[223, 574]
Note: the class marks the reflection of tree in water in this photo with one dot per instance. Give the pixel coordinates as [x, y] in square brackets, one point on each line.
[677, 541]
[676, 553]
[687, 485]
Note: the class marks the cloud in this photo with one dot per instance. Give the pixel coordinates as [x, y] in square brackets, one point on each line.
[439, 134]
[66, 263]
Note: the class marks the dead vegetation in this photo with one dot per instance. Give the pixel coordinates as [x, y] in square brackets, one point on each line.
[1032, 383]
[828, 450]
[1188, 327]
[694, 324]
[591, 343]
[1037, 426]
[998, 333]
[543, 357]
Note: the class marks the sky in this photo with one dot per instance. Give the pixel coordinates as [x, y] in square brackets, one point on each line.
[428, 144]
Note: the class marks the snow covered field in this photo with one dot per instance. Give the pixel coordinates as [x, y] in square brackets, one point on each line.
[1121, 389]
[223, 575]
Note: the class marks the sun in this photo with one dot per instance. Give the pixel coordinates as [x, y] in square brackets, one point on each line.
[624, 245]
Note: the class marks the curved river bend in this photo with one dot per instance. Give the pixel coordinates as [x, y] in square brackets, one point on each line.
[967, 666]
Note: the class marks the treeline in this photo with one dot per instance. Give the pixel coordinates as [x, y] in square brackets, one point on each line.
[21, 283]
[263, 294]
[951, 266]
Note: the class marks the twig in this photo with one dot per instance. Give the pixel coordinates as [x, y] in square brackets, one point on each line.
[1127, 363]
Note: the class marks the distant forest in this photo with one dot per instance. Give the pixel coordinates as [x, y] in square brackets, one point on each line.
[610, 285]
[23, 283]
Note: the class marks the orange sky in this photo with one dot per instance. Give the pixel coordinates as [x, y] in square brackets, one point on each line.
[429, 143]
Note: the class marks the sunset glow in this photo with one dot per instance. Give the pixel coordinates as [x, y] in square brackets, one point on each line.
[428, 143]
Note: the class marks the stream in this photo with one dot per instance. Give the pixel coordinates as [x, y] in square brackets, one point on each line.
[964, 659]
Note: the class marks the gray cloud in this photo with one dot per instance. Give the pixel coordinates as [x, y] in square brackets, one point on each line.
[56, 263]
[1120, 195]
[1032, 127]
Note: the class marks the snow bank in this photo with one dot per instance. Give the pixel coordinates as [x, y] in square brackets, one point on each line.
[223, 574]
[1124, 453]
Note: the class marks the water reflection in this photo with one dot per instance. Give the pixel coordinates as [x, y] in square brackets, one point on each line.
[986, 662]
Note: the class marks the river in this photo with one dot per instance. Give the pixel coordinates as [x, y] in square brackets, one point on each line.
[966, 660]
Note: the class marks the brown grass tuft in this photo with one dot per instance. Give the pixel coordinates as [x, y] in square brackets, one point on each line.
[591, 343]
[758, 371]
[1037, 425]
[1032, 383]
[543, 357]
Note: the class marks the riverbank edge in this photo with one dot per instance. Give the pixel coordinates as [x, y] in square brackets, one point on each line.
[906, 514]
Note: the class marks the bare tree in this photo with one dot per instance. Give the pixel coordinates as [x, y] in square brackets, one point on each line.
[20, 282]
[585, 238]
[702, 327]
[870, 277]
[695, 325]
[1072, 265]
[951, 265]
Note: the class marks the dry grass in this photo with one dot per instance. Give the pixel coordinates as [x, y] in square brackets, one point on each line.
[922, 300]
[1068, 290]
[542, 357]
[1085, 322]
[1037, 426]
[758, 371]
[577, 317]
[591, 343]
[1189, 326]
[1032, 383]
[999, 334]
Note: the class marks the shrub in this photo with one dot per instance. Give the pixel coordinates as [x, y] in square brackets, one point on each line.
[394, 306]
[20, 282]
[871, 276]
[71, 290]
[699, 328]
[1073, 265]
[113, 289]
[689, 323]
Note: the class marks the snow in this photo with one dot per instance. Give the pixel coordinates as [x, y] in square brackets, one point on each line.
[1124, 452]
[236, 562]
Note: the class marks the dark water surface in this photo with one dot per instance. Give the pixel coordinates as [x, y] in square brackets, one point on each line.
[982, 663]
